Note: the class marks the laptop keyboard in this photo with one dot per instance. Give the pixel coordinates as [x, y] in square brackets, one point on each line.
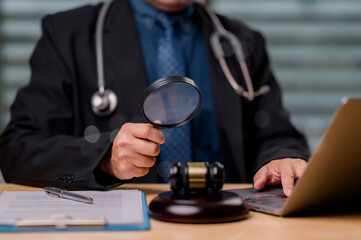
[270, 200]
[276, 201]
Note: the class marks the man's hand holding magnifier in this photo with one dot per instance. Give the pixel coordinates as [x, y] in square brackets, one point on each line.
[133, 152]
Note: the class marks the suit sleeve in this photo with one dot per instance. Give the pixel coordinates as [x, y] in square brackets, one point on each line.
[40, 146]
[272, 134]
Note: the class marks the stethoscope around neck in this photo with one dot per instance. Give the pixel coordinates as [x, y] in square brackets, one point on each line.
[104, 101]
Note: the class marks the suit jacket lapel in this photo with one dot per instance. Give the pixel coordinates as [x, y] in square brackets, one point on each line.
[228, 111]
[123, 62]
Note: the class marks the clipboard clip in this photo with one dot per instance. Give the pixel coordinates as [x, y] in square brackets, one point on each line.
[60, 221]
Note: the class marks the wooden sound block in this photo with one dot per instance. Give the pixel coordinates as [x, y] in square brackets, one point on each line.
[198, 207]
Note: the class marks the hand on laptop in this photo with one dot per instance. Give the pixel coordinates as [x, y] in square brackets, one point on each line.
[279, 171]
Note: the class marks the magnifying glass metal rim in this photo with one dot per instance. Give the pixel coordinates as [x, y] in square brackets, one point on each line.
[160, 83]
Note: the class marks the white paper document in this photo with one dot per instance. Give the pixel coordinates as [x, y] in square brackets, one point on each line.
[117, 207]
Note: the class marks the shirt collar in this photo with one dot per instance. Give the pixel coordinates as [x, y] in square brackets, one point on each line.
[148, 14]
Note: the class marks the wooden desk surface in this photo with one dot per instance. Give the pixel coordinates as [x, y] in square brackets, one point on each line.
[257, 226]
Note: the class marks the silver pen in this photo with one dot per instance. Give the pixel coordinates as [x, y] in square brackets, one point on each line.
[61, 193]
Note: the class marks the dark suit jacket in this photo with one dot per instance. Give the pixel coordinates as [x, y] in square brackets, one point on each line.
[44, 144]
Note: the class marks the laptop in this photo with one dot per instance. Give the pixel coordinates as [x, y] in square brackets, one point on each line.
[333, 176]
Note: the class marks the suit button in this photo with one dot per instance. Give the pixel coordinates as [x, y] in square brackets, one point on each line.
[69, 178]
[64, 179]
[58, 179]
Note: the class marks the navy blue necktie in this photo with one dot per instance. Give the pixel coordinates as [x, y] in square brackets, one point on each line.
[178, 145]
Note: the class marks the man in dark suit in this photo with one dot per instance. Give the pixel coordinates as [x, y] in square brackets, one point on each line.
[55, 139]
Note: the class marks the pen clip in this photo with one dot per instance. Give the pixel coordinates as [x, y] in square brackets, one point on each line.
[52, 194]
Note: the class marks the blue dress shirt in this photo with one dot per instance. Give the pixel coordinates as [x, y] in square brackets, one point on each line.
[189, 39]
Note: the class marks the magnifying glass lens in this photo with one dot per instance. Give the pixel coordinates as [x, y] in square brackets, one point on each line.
[171, 101]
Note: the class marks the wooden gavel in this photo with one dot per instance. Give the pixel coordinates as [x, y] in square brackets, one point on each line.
[196, 176]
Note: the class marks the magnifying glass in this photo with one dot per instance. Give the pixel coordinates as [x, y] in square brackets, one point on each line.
[171, 102]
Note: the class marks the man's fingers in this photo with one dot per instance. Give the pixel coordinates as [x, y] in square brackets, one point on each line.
[145, 131]
[145, 147]
[144, 161]
[290, 172]
[260, 178]
[287, 179]
[300, 168]
[135, 165]
[140, 172]
[283, 171]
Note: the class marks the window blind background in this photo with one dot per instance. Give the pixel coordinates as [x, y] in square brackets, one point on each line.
[315, 51]
[314, 47]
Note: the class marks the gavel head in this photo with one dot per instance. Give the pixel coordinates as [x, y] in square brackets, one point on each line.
[196, 176]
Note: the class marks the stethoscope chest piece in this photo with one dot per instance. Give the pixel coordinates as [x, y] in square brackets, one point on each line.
[103, 104]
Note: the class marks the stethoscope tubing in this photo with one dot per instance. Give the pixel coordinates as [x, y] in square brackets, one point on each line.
[219, 32]
[99, 45]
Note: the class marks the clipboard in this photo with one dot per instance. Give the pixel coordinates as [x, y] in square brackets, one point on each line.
[67, 223]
